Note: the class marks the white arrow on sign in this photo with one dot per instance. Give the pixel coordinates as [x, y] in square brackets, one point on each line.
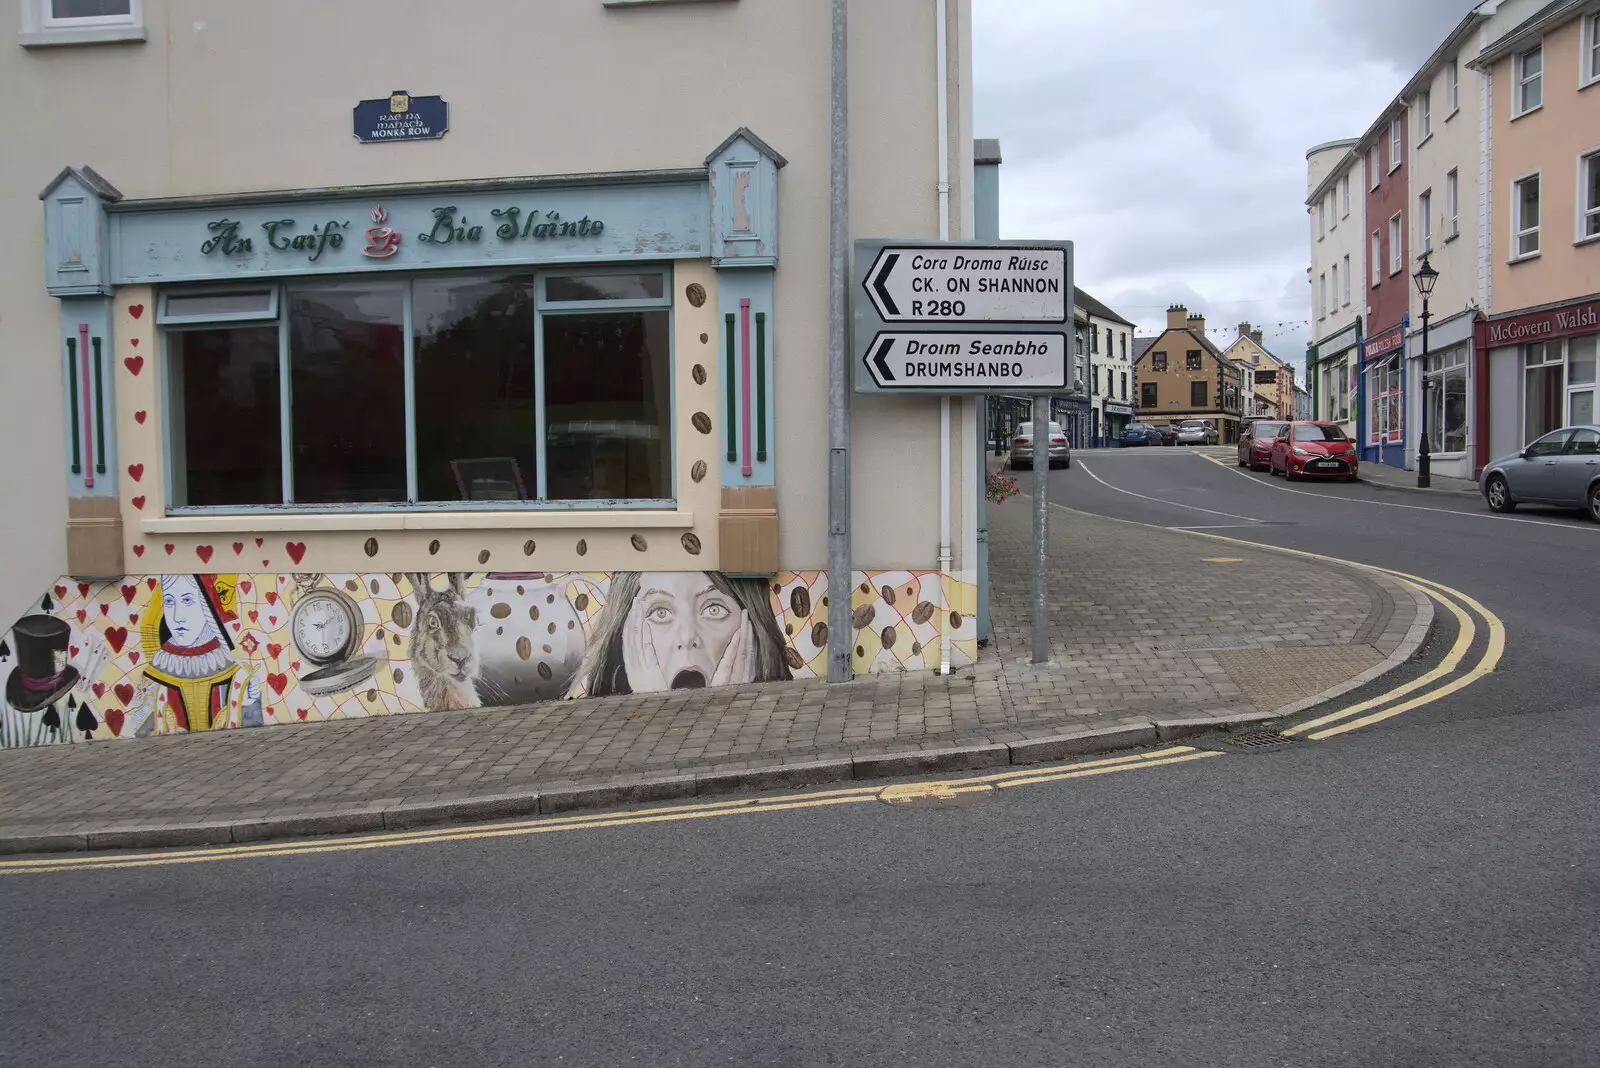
[974, 362]
[963, 284]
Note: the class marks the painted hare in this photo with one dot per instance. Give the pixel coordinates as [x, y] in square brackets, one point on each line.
[444, 649]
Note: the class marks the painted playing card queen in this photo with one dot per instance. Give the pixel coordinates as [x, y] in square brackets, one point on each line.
[191, 677]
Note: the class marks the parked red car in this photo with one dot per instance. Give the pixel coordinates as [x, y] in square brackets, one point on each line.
[1256, 441]
[1314, 450]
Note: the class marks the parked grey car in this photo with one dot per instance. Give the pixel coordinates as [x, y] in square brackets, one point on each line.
[1561, 469]
[1197, 432]
[1022, 446]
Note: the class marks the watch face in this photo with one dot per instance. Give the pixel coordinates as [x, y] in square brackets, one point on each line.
[321, 628]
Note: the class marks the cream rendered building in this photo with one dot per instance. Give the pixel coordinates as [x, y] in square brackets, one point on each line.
[377, 388]
[1337, 218]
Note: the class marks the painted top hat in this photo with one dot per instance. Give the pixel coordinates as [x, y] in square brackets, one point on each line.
[42, 675]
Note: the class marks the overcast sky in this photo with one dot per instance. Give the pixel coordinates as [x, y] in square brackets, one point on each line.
[1168, 138]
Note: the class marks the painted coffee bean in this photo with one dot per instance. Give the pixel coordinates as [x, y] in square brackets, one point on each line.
[581, 602]
[701, 421]
[691, 543]
[483, 556]
[373, 586]
[923, 612]
[698, 373]
[888, 594]
[433, 547]
[800, 602]
[371, 547]
[639, 543]
[955, 620]
[696, 294]
[583, 547]
[500, 610]
[888, 636]
[401, 614]
[544, 671]
[352, 585]
[705, 339]
[698, 471]
[862, 617]
[533, 612]
[528, 547]
[819, 635]
[792, 657]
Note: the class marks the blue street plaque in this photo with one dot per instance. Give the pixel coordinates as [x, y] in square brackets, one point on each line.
[402, 117]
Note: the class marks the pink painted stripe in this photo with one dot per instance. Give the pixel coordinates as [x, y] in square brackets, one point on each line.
[88, 408]
[744, 383]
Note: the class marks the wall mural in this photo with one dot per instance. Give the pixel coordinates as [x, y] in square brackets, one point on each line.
[165, 654]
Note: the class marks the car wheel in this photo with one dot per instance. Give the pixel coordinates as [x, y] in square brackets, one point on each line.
[1243, 462]
[1498, 493]
[1594, 502]
[1068, 464]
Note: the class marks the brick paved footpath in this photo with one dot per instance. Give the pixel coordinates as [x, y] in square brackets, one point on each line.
[1148, 626]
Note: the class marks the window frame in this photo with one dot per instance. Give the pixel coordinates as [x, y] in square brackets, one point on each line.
[1376, 255]
[41, 28]
[1518, 231]
[1520, 80]
[1587, 160]
[1347, 279]
[1452, 204]
[1397, 255]
[1197, 356]
[1344, 195]
[1396, 144]
[1322, 298]
[172, 420]
[165, 317]
[1424, 116]
[1424, 222]
[1374, 173]
[1160, 355]
[1589, 57]
[1322, 218]
[1452, 87]
[1204, 401]
[50, 21]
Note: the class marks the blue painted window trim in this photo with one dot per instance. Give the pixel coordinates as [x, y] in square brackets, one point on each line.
[165, 317]
[171, 422]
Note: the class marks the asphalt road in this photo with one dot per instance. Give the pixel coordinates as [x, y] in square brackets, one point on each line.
[1421, 892]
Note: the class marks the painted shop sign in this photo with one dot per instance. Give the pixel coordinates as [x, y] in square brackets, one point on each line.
[1553, 322]
[1390, 340]
[402, 117]
[655, 221]
[1118, 409]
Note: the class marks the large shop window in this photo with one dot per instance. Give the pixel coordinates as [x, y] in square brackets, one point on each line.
[1446, 396]
[1385, 395]
[450, 390]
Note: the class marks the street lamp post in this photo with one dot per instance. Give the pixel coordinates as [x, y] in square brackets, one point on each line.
[1425, 278]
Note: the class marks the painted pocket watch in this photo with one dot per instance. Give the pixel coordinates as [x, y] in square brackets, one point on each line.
[326, 629]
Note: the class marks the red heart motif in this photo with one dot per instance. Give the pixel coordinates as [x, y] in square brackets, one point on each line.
[83, 589]
[133, 618]
[134, 657]
[134, 342]
[254, 616]
[134, 364]
[138, 502]
[128, 592]
[136, 471]
[105, 610]
[113, 719]
[73, 649]
[265, 563]
[297, 550]
[246, 586]
[278, 681]
[272, 597]
[169, 547]
[61, 591]
[136, 310]
[117, 637]
[273, 620]
[258, 543]
[138, 550]
[235, 628]
[99, 689]
[138, 416]
[273, 649]
[83, 616]
[204, 553]
[295, 664]
[124, 692]
[150, 582]
[302, 712]
[238, 547]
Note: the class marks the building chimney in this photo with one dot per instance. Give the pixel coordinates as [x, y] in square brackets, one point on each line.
[1255, 335]
[1244, 330]
[1197, 323]
[1176, 317]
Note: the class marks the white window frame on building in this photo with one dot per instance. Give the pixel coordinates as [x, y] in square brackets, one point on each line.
[1322, 218]
[1425, 222]
[1424, 116]
[1377, 258]
[1333, 209]
[1452, 205]
[1396, 144]
[1373, 171]
[1452, 87]
[43, 24]
[1588, 198]
[1333, 289]
[1347, 279]
[1575, 360]
[1520, 232]
[1445, 377]
[1397, 259]
[1527, 87]
[1344, 195]
[1322, 296]
[1589, 61]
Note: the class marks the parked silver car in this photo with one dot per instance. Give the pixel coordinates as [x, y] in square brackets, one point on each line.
[1197, 432]
[1022, 446]
[1561, 469]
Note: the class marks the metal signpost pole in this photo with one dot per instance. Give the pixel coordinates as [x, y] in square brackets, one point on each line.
[839, 578]
[1041, 528]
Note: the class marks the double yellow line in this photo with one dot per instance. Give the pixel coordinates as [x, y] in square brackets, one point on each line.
[676, 813]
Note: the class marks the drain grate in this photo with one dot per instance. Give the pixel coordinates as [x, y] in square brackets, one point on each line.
[1257, 740]
[1196, 645]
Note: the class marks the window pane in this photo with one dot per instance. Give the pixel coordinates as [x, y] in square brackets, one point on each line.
[212, 305]
[1583, 408]
[1581, 356]
[476, 433]
[89, 9]
[1542, 400]
[347, 367]
[651, 285]
[607, 404]
[1591, 197]
[1528, 203]
[227, 445]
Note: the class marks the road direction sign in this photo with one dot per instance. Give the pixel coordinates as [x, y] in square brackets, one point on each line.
[954, 283]
[971, 362]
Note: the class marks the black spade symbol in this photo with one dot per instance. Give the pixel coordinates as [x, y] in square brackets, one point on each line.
[52, 721]
[5, 650]
[86, 721]
[47, 604]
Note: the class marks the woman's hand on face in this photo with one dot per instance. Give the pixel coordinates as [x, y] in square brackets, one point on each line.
[738, 663]
[639, 657]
